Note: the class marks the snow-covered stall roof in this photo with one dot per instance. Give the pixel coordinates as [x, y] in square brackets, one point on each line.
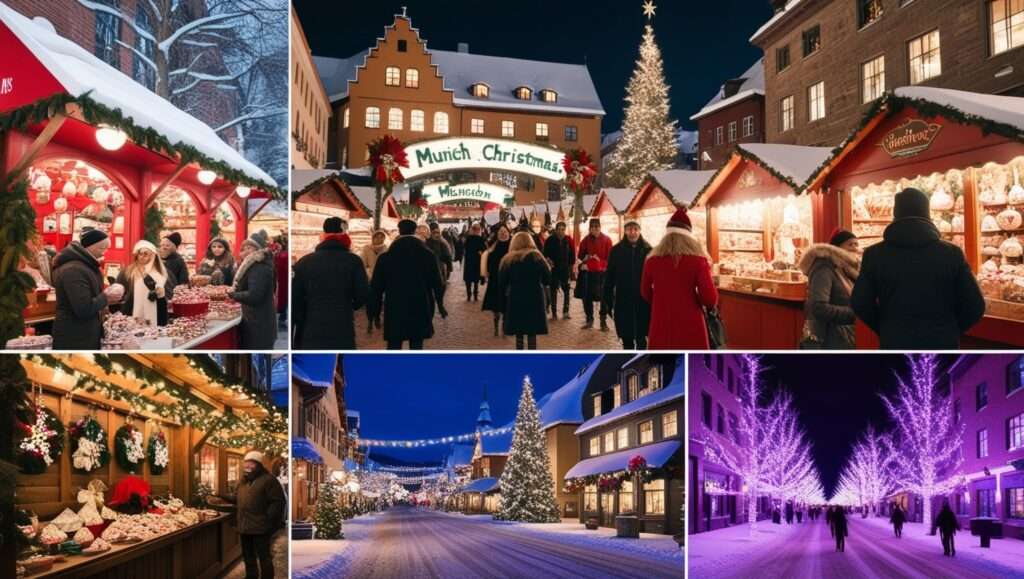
[459, 454]
[366, 196]
[301, 179]
[752, 84]
[301, 372]
[1001, 109]
[481, 485]
[795, 162]
[656, 455]
[682, 185]
[82, 74]
[619, 197]
[673, 391]
[588, 203]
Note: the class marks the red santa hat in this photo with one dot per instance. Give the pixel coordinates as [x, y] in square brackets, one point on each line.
[679, 222]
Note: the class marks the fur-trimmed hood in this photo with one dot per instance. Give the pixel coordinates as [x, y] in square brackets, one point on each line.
[678, 243]
[837, 257]
[258, 256]
[522, 255]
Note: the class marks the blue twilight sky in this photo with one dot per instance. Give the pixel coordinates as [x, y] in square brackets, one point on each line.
[411, 396]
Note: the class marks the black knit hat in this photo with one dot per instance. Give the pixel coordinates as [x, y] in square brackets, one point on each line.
[91, 237]
[911, 203]
[174, 238]
[333, 225]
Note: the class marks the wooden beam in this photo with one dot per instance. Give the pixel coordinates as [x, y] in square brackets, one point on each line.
[43, 139]
[258, 209]
[160, 189]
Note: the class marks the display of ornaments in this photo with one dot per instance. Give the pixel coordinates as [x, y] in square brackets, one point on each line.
[1009, 219]
[943, 226]
[1016, 195]
[1011, 248]
[159, 455]
[52, 535]
[129, 449]
[84, 537]
[60, 204]
[69, 189]
[42, 443]
[100, 195]
[42, 196]
[989, 224]
[96, 547]
[958, 223]
[941, 201]
[89, 449]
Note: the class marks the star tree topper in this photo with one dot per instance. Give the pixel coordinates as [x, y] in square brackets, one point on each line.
[649, 9]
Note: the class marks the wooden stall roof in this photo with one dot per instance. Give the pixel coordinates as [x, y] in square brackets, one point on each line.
[328, 188]
[681, 186]
[790, 165]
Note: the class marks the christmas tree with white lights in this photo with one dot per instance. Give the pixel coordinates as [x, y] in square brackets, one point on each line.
[328, 515]
[648, 134]
[867, 477]
[527, 490]
[928, 439]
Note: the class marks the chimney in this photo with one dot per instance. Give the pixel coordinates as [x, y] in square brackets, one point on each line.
[778, 5]
[464, 47]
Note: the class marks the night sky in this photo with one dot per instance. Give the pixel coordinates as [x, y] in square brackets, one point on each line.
[412, 396]
[702, 43]
[837, 396]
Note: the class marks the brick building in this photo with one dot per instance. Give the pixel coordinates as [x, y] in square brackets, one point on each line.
[734, 115]
[310, 107]
[401, 88]
[826, 60]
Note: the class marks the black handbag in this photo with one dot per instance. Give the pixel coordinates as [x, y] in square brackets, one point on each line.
[716, 329]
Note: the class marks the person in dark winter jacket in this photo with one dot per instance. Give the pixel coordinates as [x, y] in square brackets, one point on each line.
[328, 287]
[494, 300]
[829, 517]
[437, 244]
[840, 528]
[473, 248]
[254, 289]
[260, 504]
[218, 263]
[177, 270]
[81, 299]
[897, 518]
[523, 278]
[593, 254]
[916, 290]
[561, 255]
[407, 286]
[831, 269]
[789, 513]
[632, 314]
[948, 525]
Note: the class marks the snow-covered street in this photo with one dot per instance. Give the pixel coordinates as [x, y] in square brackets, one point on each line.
[409, 542]
[807, 550]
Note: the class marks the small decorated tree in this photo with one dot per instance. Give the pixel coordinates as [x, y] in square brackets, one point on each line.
[328, 515]
[527, 489]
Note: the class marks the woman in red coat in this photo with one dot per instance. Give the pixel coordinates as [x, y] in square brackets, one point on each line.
[677, 283]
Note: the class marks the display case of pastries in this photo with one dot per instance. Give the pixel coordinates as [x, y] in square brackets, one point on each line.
[1001, 221]
[759, 244]
[872, 206]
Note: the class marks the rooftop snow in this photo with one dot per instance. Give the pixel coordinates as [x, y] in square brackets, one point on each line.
[302, 178]
[80, 72]
[786, 11]
[682, 185]
[796, 162]
[619, 197]
[300, 371]
[335, 73]
[656, 455]
[1001, 109]
[753, 84]
[481, 485]
[673, 391]
[565, 405]
[588, 203]
[459, 455]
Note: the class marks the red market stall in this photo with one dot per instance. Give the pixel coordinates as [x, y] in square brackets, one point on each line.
[318, 195]
[658, 197]
[608, 208]
[966, 151]
[90, 148]
[757, 229]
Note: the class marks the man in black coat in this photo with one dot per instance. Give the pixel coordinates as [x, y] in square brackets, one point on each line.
[561, 254]
[260, 513]
[81, 299]
[329, 285]
[631, 312]
[440, 247]
[916, 290]
[177, 269]
[407, 284]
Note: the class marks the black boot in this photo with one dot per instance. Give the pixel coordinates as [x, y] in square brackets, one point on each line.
[588, 324]
[497, 321]
[565, 314]
[604, 324]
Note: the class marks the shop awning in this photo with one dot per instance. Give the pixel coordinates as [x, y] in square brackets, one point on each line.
[481, 485]
[656, 455]
[303, 449]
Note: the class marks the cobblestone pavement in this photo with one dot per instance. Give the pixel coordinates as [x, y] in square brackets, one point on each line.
[470, 328]
[278, 548]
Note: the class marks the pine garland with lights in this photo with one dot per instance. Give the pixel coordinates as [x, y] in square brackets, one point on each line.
[152, 224]
[527, 489]
[328, 515]
[157, 453]
[17, 227]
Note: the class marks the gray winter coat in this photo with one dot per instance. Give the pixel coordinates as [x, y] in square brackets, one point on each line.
[254, 289]
[81, 303]
[827, 310]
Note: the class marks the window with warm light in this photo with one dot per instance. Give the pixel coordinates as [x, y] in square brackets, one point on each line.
[622, 435]
[590, 498]
[394, 119]
[548, 96]
[654, 378]
[669, 424]
[392, 76]
[372, 118]
[646, 429]
[441, 123]
[633, 382]
[925, 57]
[1007, 17]
[609, 441]
[595, 446]
[654, 497]
[481, 90]
[626, 497]
[344, 118]
[208, 467]
[412, 78]
[524, 94]
[542, 131]
[873, 75]
[1015, 502]
[416, 120]
[476, 126]
[816, 101]
[597, 404]
[508, 129]
[616, 396]
[868, 11]
[786, 113]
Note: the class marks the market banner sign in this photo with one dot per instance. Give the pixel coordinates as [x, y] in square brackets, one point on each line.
[434, 193]
[480, 153]
[910, 138]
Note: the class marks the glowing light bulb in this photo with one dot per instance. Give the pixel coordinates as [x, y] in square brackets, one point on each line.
[206, 177]
[110, 138]
[243, 191]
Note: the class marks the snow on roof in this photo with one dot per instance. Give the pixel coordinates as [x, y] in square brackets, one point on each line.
[619, 197]
[575, 89]
[786, 11]
[588, 203]
[80, 72]
[795, 162]
[460, 454]
[1002, 109]
[366, 196]
[302, 178]
[308, 374]
[673, 391]
[481, 485]
[656, 455]
[753, 84]
[304, 450]
[565, 405]
[682, 185]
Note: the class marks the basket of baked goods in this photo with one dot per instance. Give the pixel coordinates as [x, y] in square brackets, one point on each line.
[190, 301]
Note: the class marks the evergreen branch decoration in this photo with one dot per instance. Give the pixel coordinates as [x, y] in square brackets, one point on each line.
[43, 441]
[89, 451]
[157, 453]
[128, 449]
[153, 224]
[17, 228]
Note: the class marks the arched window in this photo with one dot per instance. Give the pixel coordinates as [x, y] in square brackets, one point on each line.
[549, 96]
[416, 120]
[524, 93]
[441, 123]
[393, 76]
[394, 119]
[481, 90]
[412, 78]
[372, 117]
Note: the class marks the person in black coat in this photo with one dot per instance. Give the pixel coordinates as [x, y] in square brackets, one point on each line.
[254, 289]
[523, 278]
[177, 270]
[840, 528]
[631, 312]
[473, 248]
[897, 518]
[328, 286]
[561, 254]
[494, 301]
[948, 526]
[81, 299]
[916, 290]
[439, 245]
[407, 284]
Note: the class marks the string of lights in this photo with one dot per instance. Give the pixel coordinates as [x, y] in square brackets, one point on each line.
[368, 442]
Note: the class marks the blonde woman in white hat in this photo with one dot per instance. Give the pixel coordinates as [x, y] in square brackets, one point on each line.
[147, 285]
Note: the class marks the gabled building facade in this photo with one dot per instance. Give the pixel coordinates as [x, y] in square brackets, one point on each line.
[734, 115]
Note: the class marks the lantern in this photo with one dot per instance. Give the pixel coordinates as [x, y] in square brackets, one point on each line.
[206, 177]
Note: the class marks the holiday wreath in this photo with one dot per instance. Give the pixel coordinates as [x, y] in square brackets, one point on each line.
[42, 443]
[89, 449]
[128, 447]
[158, 453]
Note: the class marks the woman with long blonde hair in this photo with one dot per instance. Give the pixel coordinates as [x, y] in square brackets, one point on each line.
[523, 279]
[147, 285]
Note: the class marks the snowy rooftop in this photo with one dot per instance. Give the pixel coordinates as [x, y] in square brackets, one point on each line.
[80, 72]
[460, 70]
[302, 449]
[565, 405]
[619, 197]
[301, 372]
[656, 455]
[785, 12]
[459, 455]
[673, 391]
[1002, 109]
[753, 84]
[796, 162]
[588, 203]
[302, 178]
[682, 185]
[481, 485]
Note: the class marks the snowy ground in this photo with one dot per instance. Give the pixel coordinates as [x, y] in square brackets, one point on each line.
[872, 551]
[407, 542]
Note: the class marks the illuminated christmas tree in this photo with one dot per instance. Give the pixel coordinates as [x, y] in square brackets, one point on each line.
[867, 477]
[328, 515]
[791, 474]
[527, 490]
[928, 438]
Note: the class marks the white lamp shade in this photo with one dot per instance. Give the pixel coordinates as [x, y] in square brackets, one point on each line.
[110, 138]
[206, 177]
[69, 189]
[60, 204]
[243, 191]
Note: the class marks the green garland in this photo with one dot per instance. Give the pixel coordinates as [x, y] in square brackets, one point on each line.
[31, 460]
[153, 224]
[87, 427]
[123, 440]
[95, 113]
[157, 443]
[17, 227]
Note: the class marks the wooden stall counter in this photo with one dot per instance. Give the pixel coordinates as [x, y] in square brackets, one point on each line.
[762, 320]
[201, 551]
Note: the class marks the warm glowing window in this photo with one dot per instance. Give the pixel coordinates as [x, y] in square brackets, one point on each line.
[590, 498]
[208, 467]
[542, 131]
[617, 396]
[669, 424]
[626, 497]
[524, 94]
[372, 117]
[816, 101]
[597, 404]
[441, 123]
[508, 129]
[344, 118]
[1015, 502]
[394, 119]
[595, 446]
[416, 122]
[873, 73]
[654, 497]
[1007, 24]
[548, 96]
[623, 438]
[646, 432]
[654, 378]
[481, 90]
[392, 76]
[476, 126]
[633, 382]
[412, 78]
[925, 57]
[609, 441]
[786, 113]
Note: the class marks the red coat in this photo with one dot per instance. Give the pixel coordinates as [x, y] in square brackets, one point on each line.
[676, 292]
[597, 251]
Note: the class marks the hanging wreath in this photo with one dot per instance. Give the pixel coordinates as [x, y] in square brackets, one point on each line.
[387, 157]
[88, 445]
[579, 169]
[159, 456]
[42, 443]
[129, 450]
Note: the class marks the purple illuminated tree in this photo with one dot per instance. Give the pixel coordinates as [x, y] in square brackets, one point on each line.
[791, 474]
[927, 442]
[867, 477]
